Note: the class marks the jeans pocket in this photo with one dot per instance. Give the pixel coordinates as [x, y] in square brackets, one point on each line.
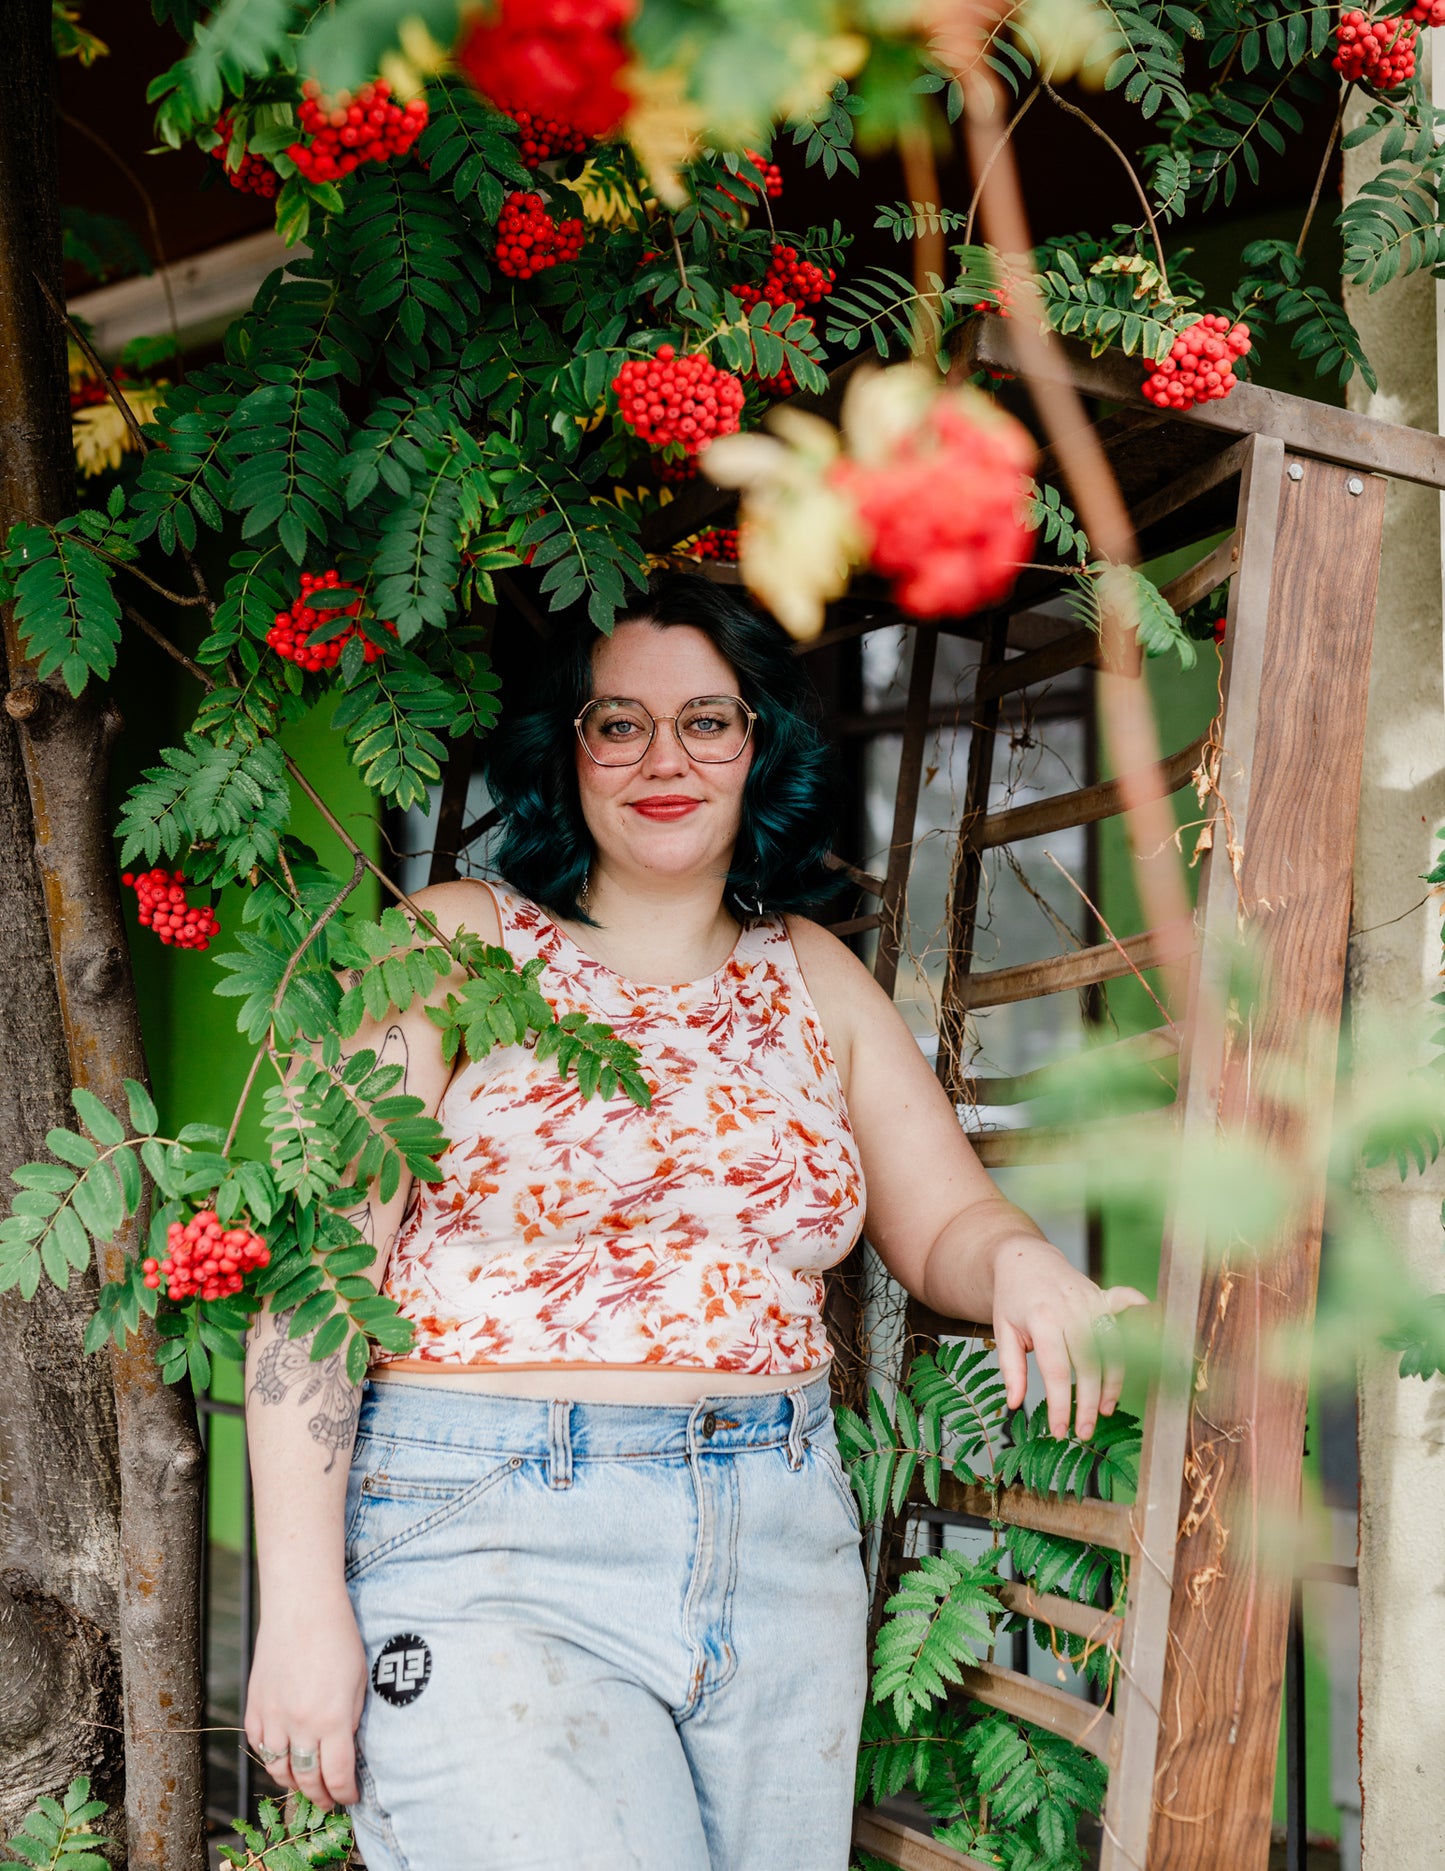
[392, 1509]
[830, 1464]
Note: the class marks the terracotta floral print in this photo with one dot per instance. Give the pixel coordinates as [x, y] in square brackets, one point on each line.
[692, 1235]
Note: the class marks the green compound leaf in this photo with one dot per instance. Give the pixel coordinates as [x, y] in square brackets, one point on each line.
[66, 611]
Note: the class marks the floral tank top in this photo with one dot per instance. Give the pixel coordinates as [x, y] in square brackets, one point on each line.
[589, 1232]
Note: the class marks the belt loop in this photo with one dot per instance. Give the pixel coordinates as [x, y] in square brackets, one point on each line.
[559, 1444]
[795, 1429]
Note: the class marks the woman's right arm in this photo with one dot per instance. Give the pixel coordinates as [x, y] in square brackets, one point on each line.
[308, 1676]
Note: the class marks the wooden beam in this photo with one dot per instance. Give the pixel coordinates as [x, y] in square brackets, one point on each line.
[899, 1844]
[1129, 1810]
[1040, 1703]
[1074, 651]
[1088, 804]
[966, 868]
[1190, 485]
[1158, 1043]
[1061, 1614]
[1097, 1523]
[893, 896]
[1055, 974]
[1062, 1143]
[1224, 1673]
[1363, 443]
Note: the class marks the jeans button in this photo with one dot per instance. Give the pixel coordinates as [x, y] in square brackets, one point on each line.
[709, 1424]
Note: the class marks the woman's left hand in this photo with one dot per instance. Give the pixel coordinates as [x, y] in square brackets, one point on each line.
[1042, 1304]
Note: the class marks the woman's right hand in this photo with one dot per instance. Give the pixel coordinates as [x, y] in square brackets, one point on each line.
[307, 1687]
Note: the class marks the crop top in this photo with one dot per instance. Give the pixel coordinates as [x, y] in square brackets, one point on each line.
[587, 1232]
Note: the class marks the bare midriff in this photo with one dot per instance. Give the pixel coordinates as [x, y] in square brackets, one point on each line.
[594, 1383]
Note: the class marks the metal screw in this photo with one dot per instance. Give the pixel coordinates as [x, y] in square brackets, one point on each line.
[1295, 471]
[1354, 485]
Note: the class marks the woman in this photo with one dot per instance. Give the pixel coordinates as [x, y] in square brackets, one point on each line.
[592, 1589]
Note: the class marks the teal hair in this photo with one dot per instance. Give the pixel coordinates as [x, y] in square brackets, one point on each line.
[787, 817]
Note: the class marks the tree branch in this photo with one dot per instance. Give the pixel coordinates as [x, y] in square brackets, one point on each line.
[993, 157]
[142, 440]
[357, 870]
[172, 650]
[92, 357]
[171, 597]
[1139, 189]
[79, 125]
[1324, 170]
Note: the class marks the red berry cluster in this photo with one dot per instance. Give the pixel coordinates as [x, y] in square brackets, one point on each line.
[1200, 364]
[161, 896]
[204, 1257]
[542, 138]
[288, 636]
[345, 131]
[561, 59]
[941, 514]
[253, 175]
[1002, 302]
[529, 240]
[782, 382]
[716, 542]
[779, 385]
[674, 473]
[772, 184]
[1378, 52]
[770, 172]
[91, 390]
[687, 399]
[1427, 12]
[789, 281]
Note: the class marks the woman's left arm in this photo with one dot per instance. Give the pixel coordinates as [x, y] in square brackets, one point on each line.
[938, 1223]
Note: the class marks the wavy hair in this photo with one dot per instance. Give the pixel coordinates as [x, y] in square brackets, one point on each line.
[786, 824]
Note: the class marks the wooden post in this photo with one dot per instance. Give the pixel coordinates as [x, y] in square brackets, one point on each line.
[1129, 1813]
[1223, 1674]
[891, 908]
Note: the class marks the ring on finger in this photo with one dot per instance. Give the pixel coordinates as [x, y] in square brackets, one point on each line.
[304, 1760]
[269, 1756]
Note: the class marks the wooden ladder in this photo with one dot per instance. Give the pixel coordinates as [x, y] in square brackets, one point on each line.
[1192, 1733]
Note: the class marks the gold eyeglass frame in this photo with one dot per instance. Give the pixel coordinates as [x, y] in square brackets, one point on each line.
[657, 721]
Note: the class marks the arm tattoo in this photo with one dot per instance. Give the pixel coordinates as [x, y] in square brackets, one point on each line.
[285, 1366]
[363, 1221]
[394, 1050]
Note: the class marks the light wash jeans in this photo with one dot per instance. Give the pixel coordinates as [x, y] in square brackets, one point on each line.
[604, 1636]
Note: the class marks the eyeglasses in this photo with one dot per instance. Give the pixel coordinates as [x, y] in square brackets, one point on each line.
[713, 729]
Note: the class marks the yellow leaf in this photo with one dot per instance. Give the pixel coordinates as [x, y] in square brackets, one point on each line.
[100, 434]
[798, 537]
[604, 200]
[664, 128]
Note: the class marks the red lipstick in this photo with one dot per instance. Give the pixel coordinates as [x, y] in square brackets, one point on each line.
[666, 806]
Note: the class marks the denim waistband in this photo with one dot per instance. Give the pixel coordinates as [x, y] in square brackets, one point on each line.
[438, 1416]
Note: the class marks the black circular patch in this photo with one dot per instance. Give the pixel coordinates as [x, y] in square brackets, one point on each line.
[402, 1669]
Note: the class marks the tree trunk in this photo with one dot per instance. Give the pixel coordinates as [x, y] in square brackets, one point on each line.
[100, 1468]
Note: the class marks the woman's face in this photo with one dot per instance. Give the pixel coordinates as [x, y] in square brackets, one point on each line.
[668, 817]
